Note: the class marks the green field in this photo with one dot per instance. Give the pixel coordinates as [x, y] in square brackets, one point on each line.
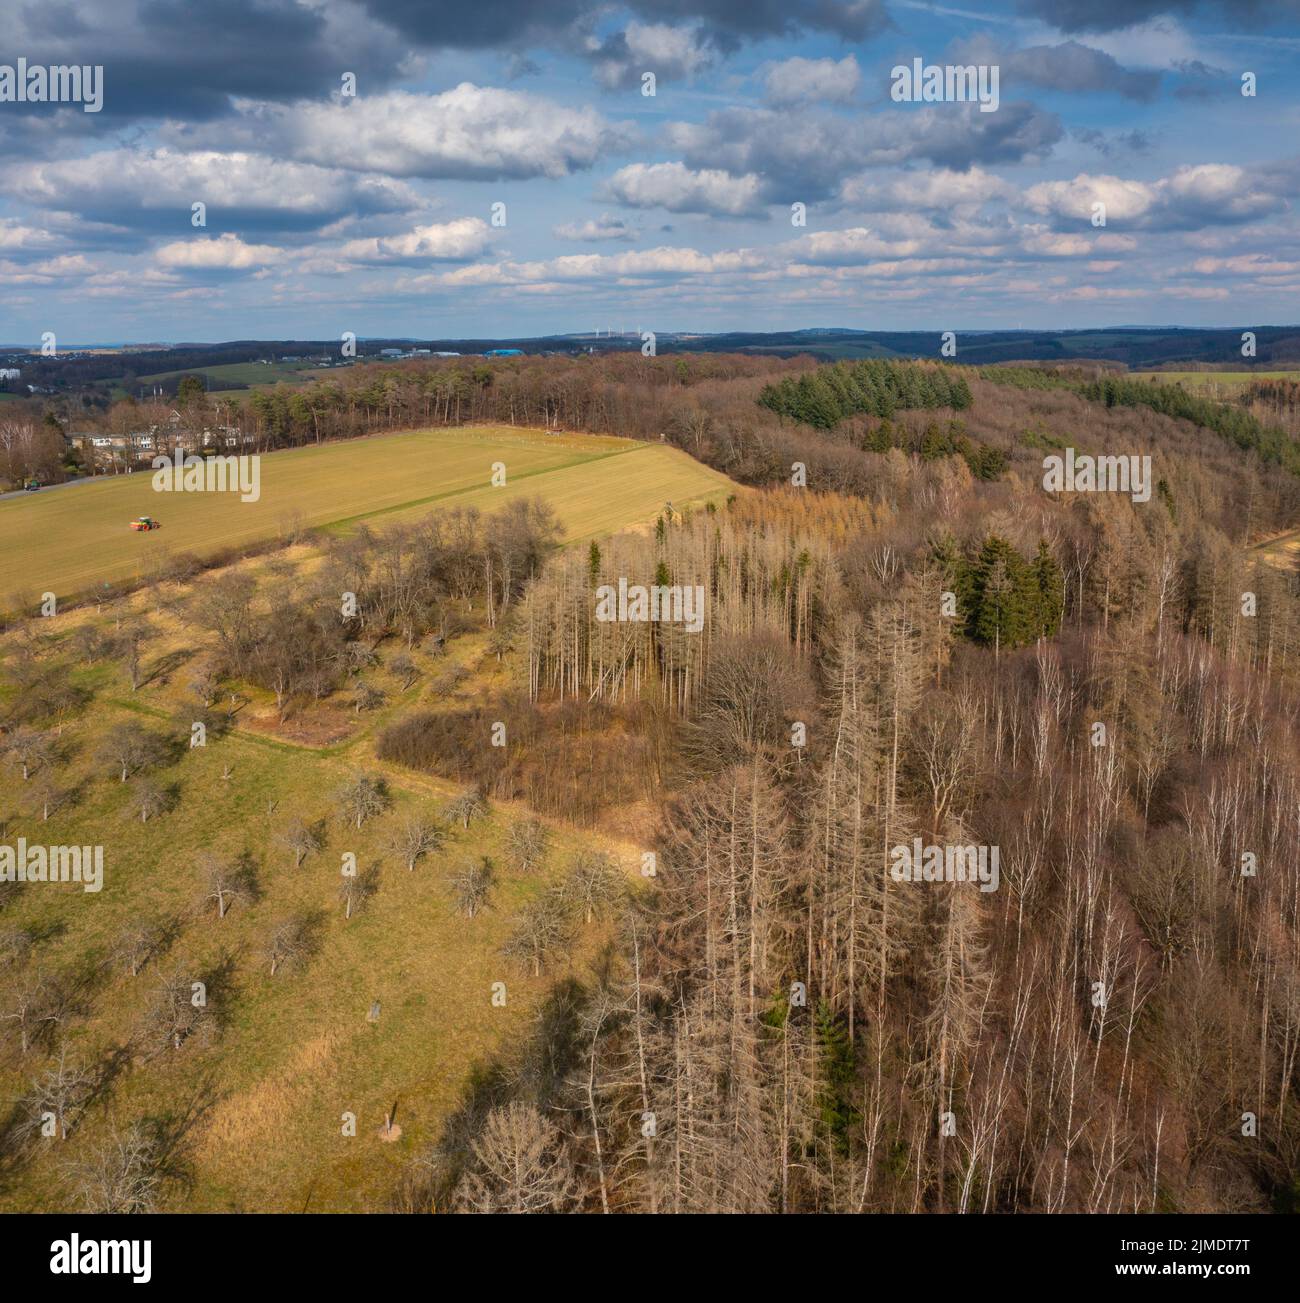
[240, 373]
[1228, 379]
[68, 540]
[232, 378]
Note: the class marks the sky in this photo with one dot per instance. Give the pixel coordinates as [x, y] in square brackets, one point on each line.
[500, 170]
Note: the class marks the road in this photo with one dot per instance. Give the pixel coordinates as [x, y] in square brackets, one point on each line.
[49, 488]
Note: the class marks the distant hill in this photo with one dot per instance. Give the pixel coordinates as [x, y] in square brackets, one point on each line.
[1139, 348]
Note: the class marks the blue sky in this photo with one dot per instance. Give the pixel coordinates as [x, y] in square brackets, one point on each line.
[374, 212]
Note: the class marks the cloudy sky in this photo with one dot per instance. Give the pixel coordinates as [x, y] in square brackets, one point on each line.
[374, 212]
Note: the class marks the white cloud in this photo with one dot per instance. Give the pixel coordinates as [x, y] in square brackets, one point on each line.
[1056, 244]
[470, 132]
[1162, 42]
[605, 227]
[801, 81]
[1246, 264]
[123, 183]
[1123, 200]
[635, 265]
[454, 241]
[681, 189]
[1206, 194]
[671, 53]
[16, 238]
[855, 245]
[226, 253]
[938, 190]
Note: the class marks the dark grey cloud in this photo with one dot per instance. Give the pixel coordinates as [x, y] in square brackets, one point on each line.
[1070, 66]
[1123, 142]
[1101, 15]
[491, 24]
[1110, 15]
[180, 59]
[482, 25]
[807, 155]
[731, 21]
[1199, 81]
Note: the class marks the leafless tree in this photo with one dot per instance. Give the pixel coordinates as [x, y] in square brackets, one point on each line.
[33, 1007]
[130, 642]
[543, 932]
[225, 882]
[128, 748]
[122, 1174]
[292, 942]
[205, 686]
[181, 1012]
[357, 656]
[356, 889]
[27, 749]
[471, 884]
[466, 808]
[149, 798]
[520, 1165]
[16, 945]
[527, 841]
[361, 798]
[138, 943]
[56, 1098]
[367, 696]
[51, 795]
[413, 838]
[592, 882]
[405, 668]
[302, 838]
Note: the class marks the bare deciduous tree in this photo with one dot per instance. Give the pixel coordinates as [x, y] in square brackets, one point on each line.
[27, 749]
[415, 837]
[592, 883]
[527, 841]
[128, 748]
[148, 798]
[356, 889]
[123, 1174]
[225, 882]
[56, 1099]
[292, 942]
[543, 932]
[302, 838]
[367, 696]
[471, 884]
[363, 797]
[138, 943]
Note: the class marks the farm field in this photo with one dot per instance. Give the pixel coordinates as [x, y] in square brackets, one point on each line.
[238, 373]
[1227, 379]
[69, 541]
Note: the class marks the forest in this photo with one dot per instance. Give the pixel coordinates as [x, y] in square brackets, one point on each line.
[783, 1027]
